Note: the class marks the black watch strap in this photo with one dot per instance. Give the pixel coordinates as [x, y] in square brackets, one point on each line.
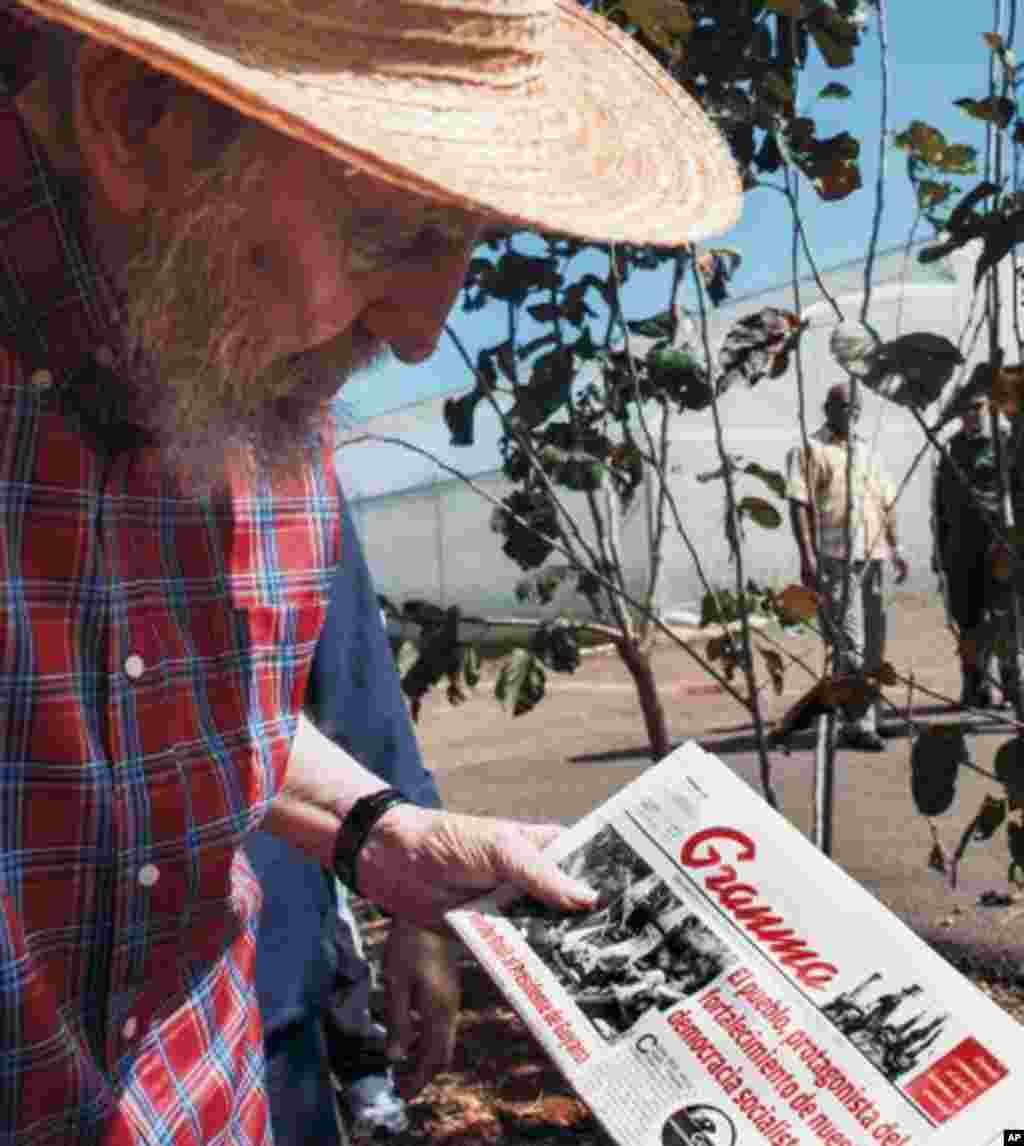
[356, 827]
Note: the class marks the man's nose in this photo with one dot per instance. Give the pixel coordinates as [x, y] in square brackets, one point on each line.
[409, 303]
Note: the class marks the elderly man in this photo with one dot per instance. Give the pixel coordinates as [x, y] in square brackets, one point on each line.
[965, 514]
[819, 474]
[212, 214]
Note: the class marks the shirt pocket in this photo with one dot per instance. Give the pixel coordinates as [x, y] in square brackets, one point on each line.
[216, 690]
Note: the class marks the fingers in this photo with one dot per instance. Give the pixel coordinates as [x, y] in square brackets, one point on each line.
[524, 865]
[423, 981]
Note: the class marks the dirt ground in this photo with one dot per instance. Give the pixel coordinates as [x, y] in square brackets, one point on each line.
[586, 740]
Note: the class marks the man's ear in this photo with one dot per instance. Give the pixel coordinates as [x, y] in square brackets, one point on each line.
[117, 101]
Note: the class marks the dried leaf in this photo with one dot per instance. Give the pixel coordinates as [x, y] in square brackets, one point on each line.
[804, 712]
[1008, 390]
[776, 669]
[790, 8]
[757, 347]
[849, 690]
[798, 603]
[717, 266]
[887, 675]
[995, 109]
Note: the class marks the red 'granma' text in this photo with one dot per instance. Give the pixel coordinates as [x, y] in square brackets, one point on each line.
[738, 899]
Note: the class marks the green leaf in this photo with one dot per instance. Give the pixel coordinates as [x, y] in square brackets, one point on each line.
[505, 357]
[759, 510]
[960, 159]
[990, 817]
[471, 665]
[662, 325]
[932, 194]
[661, 20]
[408, 654]
[922, 140]
[835, 91]
[834, 35]
[779, 88]
[458, 417]
[584, 347]
[521, 682]
[547, 391]
[775, 480]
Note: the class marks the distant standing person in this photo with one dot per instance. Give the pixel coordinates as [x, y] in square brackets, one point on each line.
[965, 508]
[816, 489]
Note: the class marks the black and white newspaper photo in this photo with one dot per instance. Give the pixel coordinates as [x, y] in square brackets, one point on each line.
[642, 948]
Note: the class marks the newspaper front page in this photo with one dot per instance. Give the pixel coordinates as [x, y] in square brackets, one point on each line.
[734, 987]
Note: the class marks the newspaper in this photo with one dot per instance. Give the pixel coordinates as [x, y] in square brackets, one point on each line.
[734, 987]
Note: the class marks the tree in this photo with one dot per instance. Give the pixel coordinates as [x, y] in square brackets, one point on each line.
[584, 389]
[585, 393]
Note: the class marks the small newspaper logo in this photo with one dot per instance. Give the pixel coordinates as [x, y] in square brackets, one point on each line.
[956, 1080]
[1013, 1136]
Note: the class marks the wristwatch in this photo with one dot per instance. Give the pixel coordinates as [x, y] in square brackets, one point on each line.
[355, 830]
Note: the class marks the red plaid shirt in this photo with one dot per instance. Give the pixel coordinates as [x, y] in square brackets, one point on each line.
[153, 656]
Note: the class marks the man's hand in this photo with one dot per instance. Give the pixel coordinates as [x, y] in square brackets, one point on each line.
[422, 977]
[418, 863]
[899, 563]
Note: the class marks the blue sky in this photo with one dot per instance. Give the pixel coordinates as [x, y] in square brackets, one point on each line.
[936, 55]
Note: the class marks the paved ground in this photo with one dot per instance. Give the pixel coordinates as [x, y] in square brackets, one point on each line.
[586, 739]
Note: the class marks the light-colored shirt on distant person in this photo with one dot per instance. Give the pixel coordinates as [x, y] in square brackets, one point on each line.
[816, 476]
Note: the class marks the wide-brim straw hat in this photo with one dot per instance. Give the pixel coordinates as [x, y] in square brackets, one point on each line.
[536, 111]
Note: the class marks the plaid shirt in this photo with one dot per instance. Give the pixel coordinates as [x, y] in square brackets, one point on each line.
[154, 650]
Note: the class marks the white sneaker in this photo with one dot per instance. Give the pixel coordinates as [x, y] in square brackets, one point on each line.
[376, 1110]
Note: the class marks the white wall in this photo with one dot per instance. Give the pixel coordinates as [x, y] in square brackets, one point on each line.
[435, 542]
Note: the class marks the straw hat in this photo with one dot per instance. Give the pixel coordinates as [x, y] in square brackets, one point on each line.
[535, 110]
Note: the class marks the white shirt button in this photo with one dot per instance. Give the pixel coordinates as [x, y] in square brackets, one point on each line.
[41, 379]
[134, 666]
[149, 873]
[130, 1027]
